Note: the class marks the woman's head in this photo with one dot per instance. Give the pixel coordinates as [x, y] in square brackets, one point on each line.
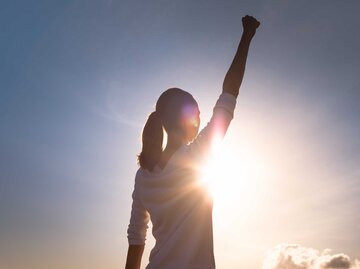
[178, 113]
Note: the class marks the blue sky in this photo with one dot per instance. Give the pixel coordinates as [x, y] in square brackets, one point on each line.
[78, 78]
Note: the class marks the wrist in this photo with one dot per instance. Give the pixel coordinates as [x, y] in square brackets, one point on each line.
[248, 35]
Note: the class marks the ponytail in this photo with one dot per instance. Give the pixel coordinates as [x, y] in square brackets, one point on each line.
[152, 140]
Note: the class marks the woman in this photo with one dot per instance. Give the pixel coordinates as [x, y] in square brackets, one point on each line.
[167, 188]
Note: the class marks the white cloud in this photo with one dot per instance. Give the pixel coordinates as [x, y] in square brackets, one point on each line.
[291, 256]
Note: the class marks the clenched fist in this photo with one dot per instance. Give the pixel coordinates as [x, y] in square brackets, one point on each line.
[250, 24]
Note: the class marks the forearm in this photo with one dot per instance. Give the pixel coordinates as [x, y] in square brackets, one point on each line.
[134, 255]
[235, 74]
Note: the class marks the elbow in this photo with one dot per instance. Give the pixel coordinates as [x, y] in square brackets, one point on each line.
[232, 89]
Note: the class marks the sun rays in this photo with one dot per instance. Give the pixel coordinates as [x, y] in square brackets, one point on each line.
[233, 175]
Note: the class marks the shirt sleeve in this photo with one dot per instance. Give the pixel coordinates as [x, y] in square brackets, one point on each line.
[215, 129]
[139, 219]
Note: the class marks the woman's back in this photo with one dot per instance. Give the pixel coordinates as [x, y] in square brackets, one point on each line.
[178, 203]
[180, 210]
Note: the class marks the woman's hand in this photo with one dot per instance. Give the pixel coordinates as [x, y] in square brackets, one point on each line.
[250, 24]
[235, 74]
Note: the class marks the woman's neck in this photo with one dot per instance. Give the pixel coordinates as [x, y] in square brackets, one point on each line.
[171, 146]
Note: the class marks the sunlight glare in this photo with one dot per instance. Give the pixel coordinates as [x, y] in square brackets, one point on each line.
[233, 176]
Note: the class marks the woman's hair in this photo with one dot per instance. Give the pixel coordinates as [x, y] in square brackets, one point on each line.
[167, 115]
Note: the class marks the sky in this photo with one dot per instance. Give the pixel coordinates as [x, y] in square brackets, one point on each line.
[78, 79]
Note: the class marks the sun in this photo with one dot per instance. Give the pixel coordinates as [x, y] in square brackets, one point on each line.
[233, 175]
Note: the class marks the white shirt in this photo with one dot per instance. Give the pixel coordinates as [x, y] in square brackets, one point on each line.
[178, 205]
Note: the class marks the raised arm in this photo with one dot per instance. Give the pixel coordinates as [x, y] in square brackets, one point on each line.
[235, 74]
[224, 108]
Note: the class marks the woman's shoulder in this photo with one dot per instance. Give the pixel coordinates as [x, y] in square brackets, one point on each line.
[181, 158]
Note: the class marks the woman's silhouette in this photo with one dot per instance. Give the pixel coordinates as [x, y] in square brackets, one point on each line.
[167, 189]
